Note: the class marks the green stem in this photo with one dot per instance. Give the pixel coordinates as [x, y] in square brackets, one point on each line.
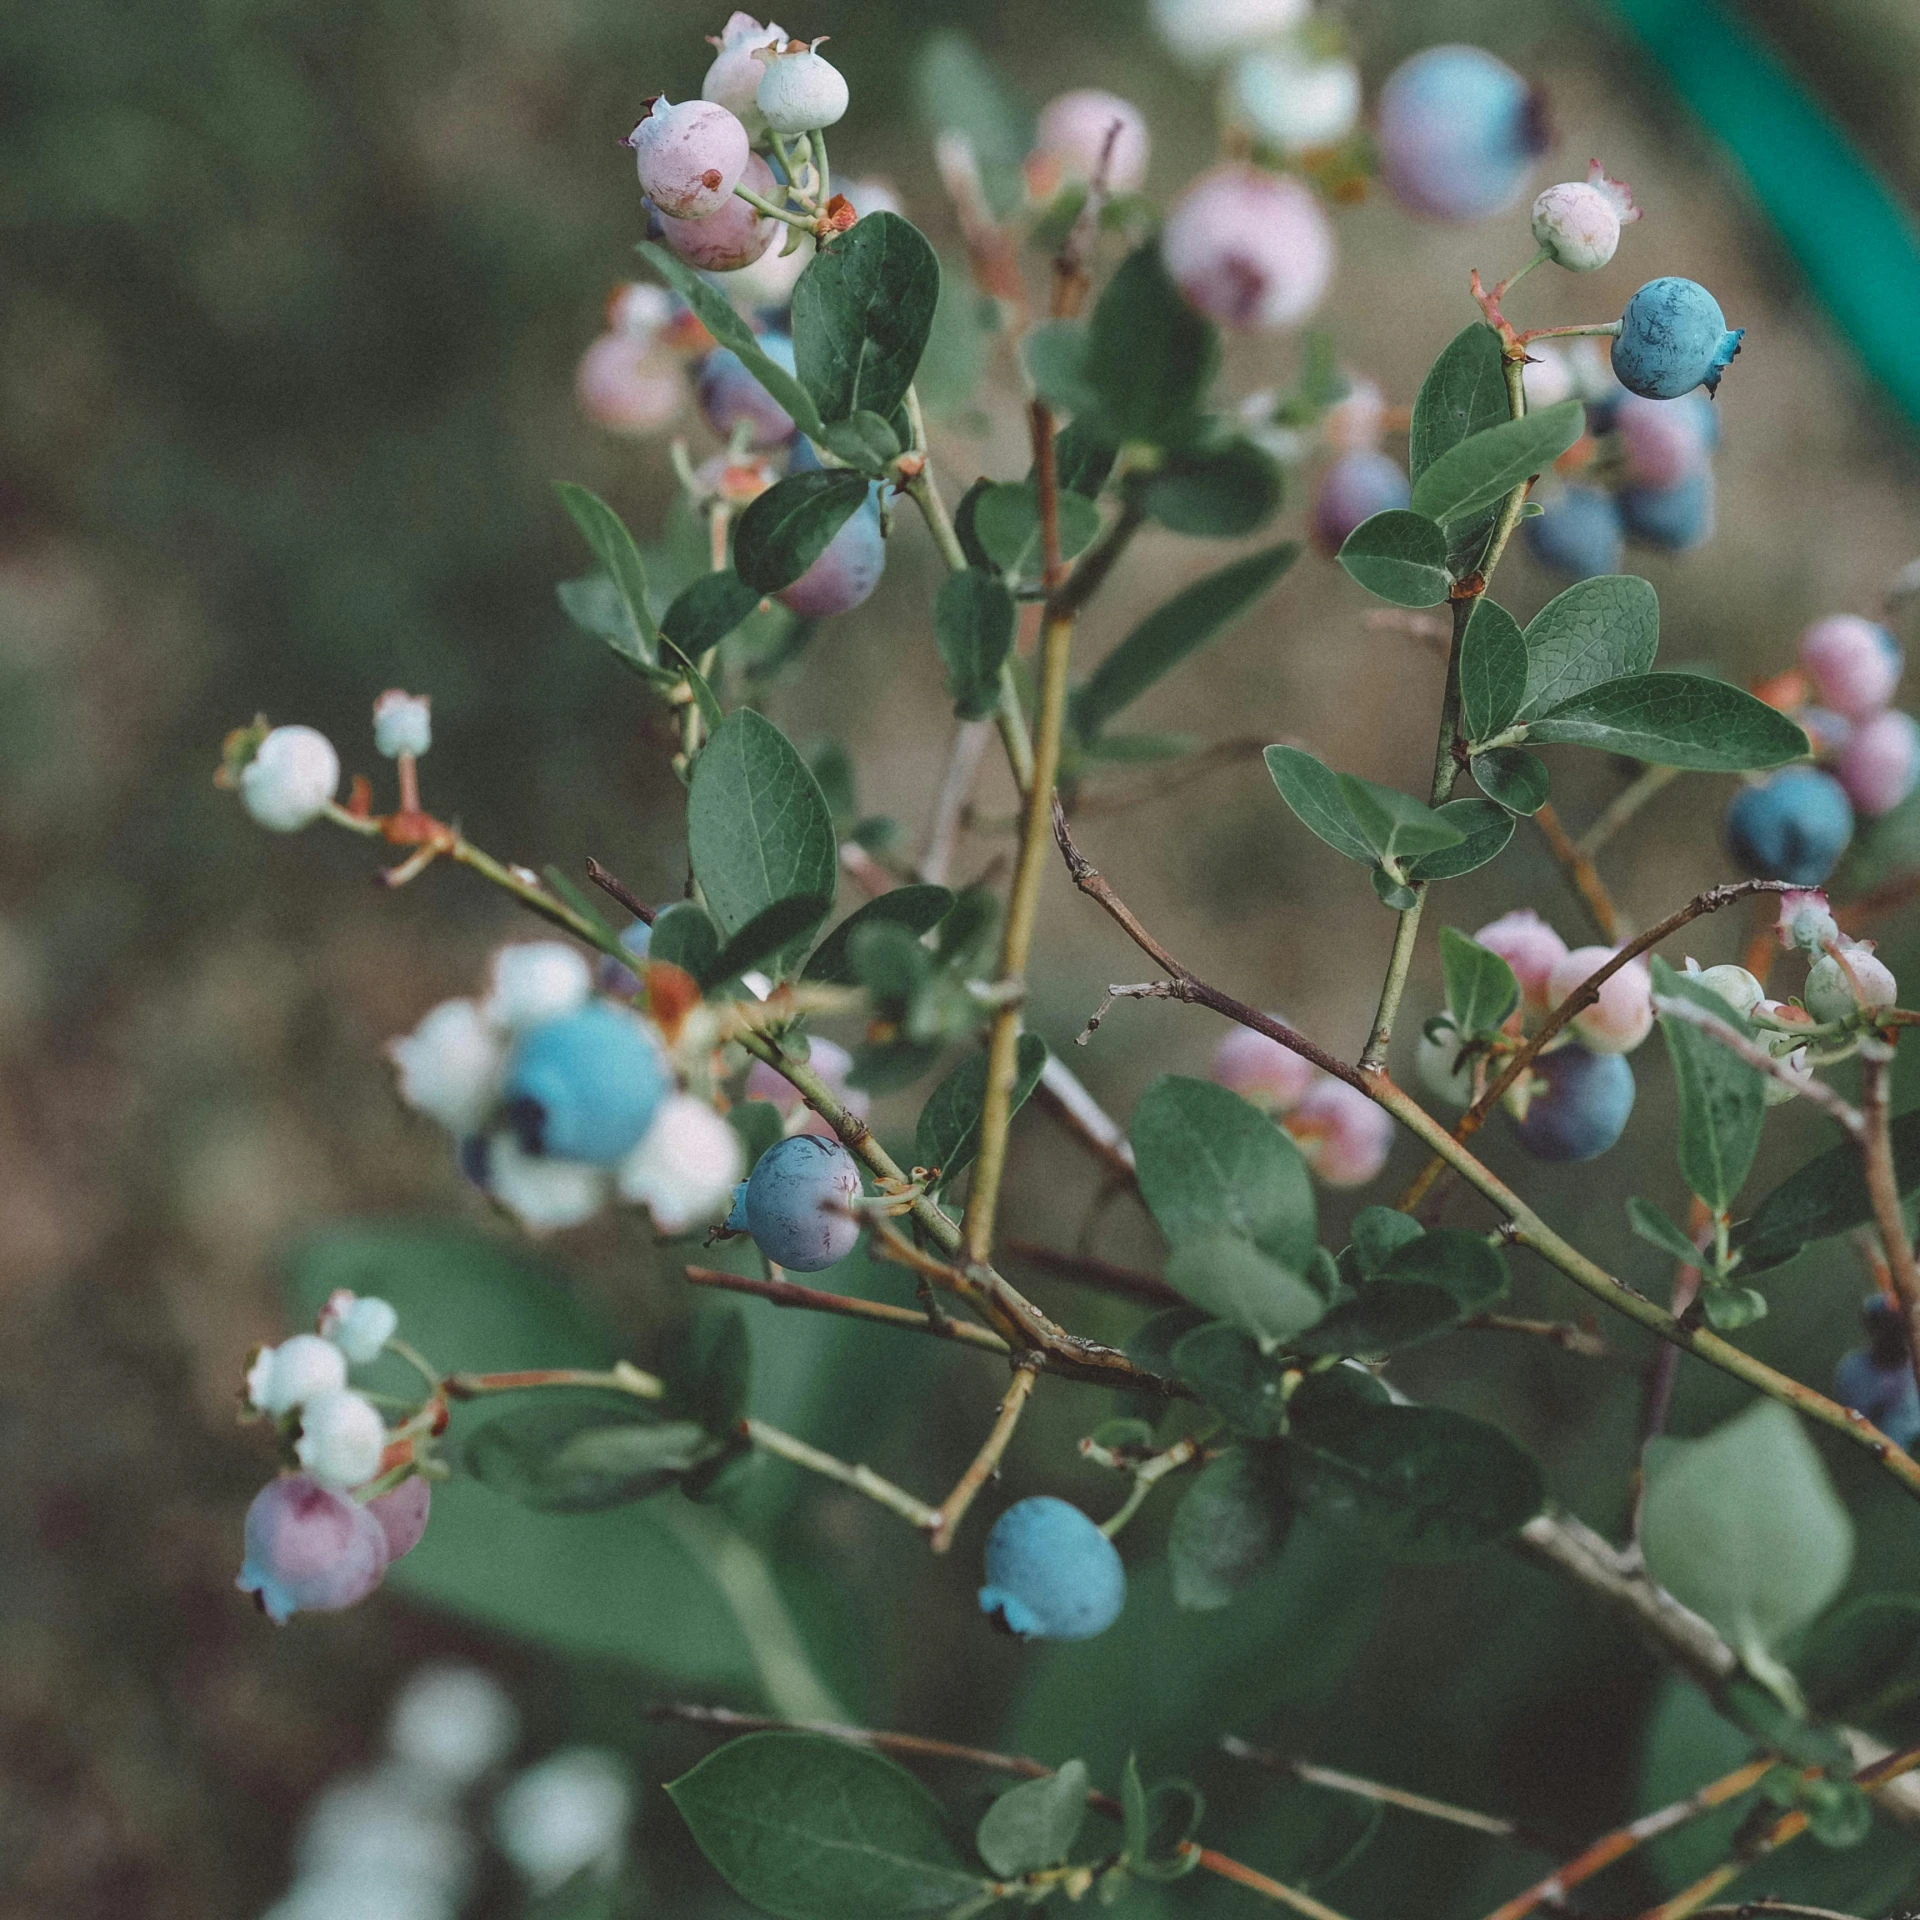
[1600, 330]
[817, 140]
[761, 204]
[861, 1479]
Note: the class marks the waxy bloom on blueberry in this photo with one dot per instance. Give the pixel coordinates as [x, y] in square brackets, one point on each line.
[290, 779]
[1794, 826]
[534, 981]
[283, 1379]
[403, 1514]
[800, 91]
[800, 1202]
[1458, 132]
[449, 1066]
[1202, 32]
[1577, 224]
[1578, 1104]
[1342, 1135]
[690, 156]
[1443, 1071]
[1622, 1016]
[1353, 490]
[402, 723]
[620, 981]
[730, 396]
[1735, 985]
[309, 1548]
[1292, 99]
[846, 572]
[1848, 982]
[1578, 535]
[1051, 1573]
[733, 80]
[1673, 338]
[832, 1063]
[1262, 1071]
[734, 237]
[628, 385]
[1880, 762]
[684, 1169]
[585, 1087]
[1531, 948]
[341, 1439]
[1251, 250]
[1855, 664]
[360, 1325]
[1077, 131]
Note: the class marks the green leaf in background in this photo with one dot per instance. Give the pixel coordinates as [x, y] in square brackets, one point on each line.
[1657, 1230]
[861, 315]
[1082, 462]
[1513, 777]
[679, 666]
[1484, 831]
[1464, 393]
[1378, 1234]
[1827, 1196]
[716, 313]
[1384, 1316]
[598, 608]
[1226, 1368]
[957, 91]
[708, 1365]
[759, 830]
[703, 614]
[1394, 825]
[1493, 670]
[1172, 1810]
[1228, 1525]
[606, 533]
[770, 935]
[1482, 470]
[1006, 522]
[1862, 1661]
[1729, 1308]
[1173, 631]
[865, 440]
[1230, 1278]
[1055, 356]
[973, 624]
[1150, 357]
[1675, 720]
[948, 1135]
[1034, 1824]
[1218, 492]
[684, 936]
[1607, 628]
[1723, 1100]
[1460, 1264]
[785, 530]
[1481, 989]
[1420, 1484]
[1312, 789]
[917, 908]
[1400, 557]
[1744, 1527]
[956, 346]
[810, 1828]
[568, 1454]
[1207, 1161]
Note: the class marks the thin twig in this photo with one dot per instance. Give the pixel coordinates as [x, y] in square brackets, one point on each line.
[986, 1463]
[1089, 1272]
[1060, 1091]
[950, 802]
[861, 1479]
[784, 1293]
[1568, 1335]
[618, 888]
[1883, 1188]
[1623, 806]
[1657, 1401]
[1581, 873]
[1759, 1909]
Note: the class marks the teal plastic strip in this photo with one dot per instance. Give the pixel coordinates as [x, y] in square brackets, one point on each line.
[1856, 243]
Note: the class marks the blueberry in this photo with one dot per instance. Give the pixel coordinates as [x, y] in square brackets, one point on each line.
[402, 1515]
[1673, 338]
[1880, 762]
[1793, 826]
[730, 396]
[1582, 1110]
[1458, 131]
[1877, 1379]
[799, 1202]
[736, 1221]
[1854, 664]
[846, 574]
[309, 1548]
[1579, 535]
[1051, 1573]
[1675, 519]
[689, 156]
[733, 237]
[585, 1087]
[610, 976]
[1663, 442]
[1251, 250]
[1353, 489]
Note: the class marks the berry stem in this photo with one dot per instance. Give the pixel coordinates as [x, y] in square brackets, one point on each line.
[1148, 1475]
[861, 1479]
[823, 190]
[1883, 1187]
[1624, 805]
[621, 1377]
[1513, 279]
[1582, 874]
[760, 204]
[1600, 330]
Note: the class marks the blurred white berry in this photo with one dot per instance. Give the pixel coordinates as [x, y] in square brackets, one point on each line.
[684, 1169]
[402, 723]
[537, 981]
[770, 281]
[286, 1377]
[358, 1896]
[639, 309]
[733, 80]
[1547, 376]
[544, 1195]
[449, 1066]
[1293, 99]
[566, 1816]
[1577, 223]
[452, 1723]
[341, 1439]
[381, 1827]
[360, 1325]
[800, 90]
[1205, 32]
[287, 784]
[871, 195]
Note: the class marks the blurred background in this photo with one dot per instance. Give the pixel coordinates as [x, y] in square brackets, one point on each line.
[289, 310]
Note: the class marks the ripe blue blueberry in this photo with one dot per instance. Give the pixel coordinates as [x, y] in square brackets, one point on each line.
[1458, 131]
[730, 396]
[585, 1087]
[1579, 535]
[1051, 1573]
[846, 573]
[1793, 826]
[799, 1202]
[1673, 338]
[1877, 1379]
[309, 1548]
[610, 976]
[1582, 1110]
[1356, 487]
[1675, 519]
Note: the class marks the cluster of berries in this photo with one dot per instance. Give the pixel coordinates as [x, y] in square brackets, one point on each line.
[1795, 825]
[1343, 1136]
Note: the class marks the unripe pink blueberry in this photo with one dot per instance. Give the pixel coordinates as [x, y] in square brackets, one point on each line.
[1072, 138]
[801, 91]
[1880, 761]
[1458, 132]
[402, 1515]
[1342, 1135]
[1855, 664]
[1273, 1077]
[1292, 99]
[1622, 1016]
[733, 80]
[535, 981]
[309, 1547]
[1840, 986]
[832, 1063]
[684, 1169]
[689, 156]
[1665, 442]
[627, 385]
[283, 1379]
[290, 779]
[1201, 32]
[1251, 250]
[360, 1325]
[1577, 223]
[1806, 920]
[449, 1066]
[1531, 948]
[734, 237]
[1352, 490]
[342, 1438]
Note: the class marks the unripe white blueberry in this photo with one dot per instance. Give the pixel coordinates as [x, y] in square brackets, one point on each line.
[535, 981]
[627, 385]
[1806, 921]
[453, 1723]
[733, 80]
[689, 156]
[1442, 1071]
[545, 1195]
[1271, 1076]
[1531, 948]
[1072, 138]
[1548, 375]
[1251, 250]
[1735, 985]
[639, 309]
[360, 1325]
[1837, 991]
[1342, 1135]
[341, 1439]
[382, 1830]
[1855, 664]
[1622, 1016]
[1577, 223]
[288, 782]
[449, 1066]
[800, 91]
[283, 1379]
[566, 1816]
[684, 1169]
[1292, 99]
[1203, 32]
[402, 723]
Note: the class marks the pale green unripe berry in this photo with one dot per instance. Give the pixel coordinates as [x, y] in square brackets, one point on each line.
[801, 91]
[289, 781]
[1839, 992]
[1735, 985]
[341, 1439]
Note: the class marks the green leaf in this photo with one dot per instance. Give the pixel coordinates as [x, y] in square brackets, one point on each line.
[1207, 1161]
[917, 908]
[1384, 1316]
[1415, 1285]
[957, 91]
[1227, 1369]
[1312, 789]
[1723, 1100]
[1230, 1278]
[1150, 357]
[759, 830]
[703, 614]
[1421, 1484]
[708, 1366]
[770, 934]
[563, 1456]
[1378, 1234]
[862, 312]
[1081, 461]
[684, 936]
[810, 1828]
[1399, 556]
[973, 624]
[1863, 1659]
[1483, 469]
[680, 667]
[1607, 628]
[598, 608]
[1675, 720]
[1493, 670]
[1484, 831]
[1657, 1230]
[1481, 989]
[1173, 631]
[606, 533]
[1513, 777]
[785, 530]
[1216, 492]
[1729, 1308]
[1228, 1526]
[1464, 393]
[1006, 522]
[1155, 1824]
[1055, 356]
[865, 440]
[1035, 1824]
[948, 1136]
[1394, 825]
[1744, 1527]
[1460, 1264]
[1827, 1196]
